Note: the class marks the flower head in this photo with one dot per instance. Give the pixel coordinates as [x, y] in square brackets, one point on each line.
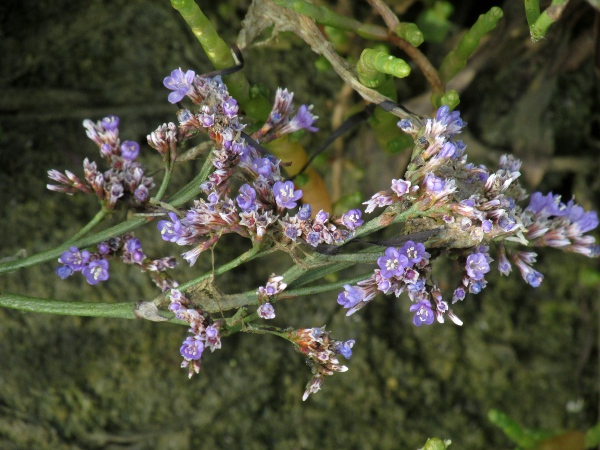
[130, 150]
[180, 83]
[392, 264]
[285, 195]
[96, 271]
[192, 348]
[423, 313]
[477, 266]
[352, 219]
[266, 311]
[75, 259]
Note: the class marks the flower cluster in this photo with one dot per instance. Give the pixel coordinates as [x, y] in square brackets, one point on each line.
[94, 265]
[476, 208]
[403, 269]
[267, 293]
[321, 354]
[124, 179]
[205, 331]
[261, 205]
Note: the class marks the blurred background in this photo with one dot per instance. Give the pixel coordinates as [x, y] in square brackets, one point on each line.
[69, 382]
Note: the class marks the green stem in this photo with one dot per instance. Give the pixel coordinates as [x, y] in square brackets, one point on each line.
[311, 290]
[457, 59]
[326, 16]
[100, 215]
[532, 11]
[48, 255]
[251, 254]
[219, 53]
[38, 305]
[165, 182]
[547, 18]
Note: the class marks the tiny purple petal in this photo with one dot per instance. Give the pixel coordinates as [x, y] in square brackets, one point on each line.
[266, 311]
[96, 271]
[423, 313]
[352, 219]
[110, 123]
[351, 296]
[130, 150]
[285, 195]
[192, 349]
[64, 272]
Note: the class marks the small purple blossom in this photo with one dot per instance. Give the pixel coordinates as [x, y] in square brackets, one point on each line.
[447, 151]
[75, 259]
[477, 266]
[180, 83]
[142, 194]
[304, 119]
[400, 187]
[534, 278]
[130, 150]
[433, 183]
[285, 195]
[230, 107]
[459, 294]
[192, 348]
[304, 212]
[96, 271]
[103, 248]
[246, 199]
[352, 219]
[110, 123]
[451, 119]
[170, 231]
[414, 252]
[351, 296]
[134, 247]
[392, 264]
[487, 225]
[64, 272]
[262, 166]
[344, 348]
[423, 313]
[266, 311]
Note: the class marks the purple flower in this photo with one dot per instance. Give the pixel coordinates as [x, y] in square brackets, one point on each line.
[534, 278]
[585, 221]
[75, 259]
[414, 252]
[134, 247]
[477, 286]
[246, 198]
[262, 166]
[447, 151]
[433, 183]
[406, 126]
[110, 123]
[64, 272]
[459, 294]
[313, 238]
[304, 119]
[180, 83]
[351, 296]
[304, 212]
[423, 313]
[451, 119]
[477, 266]
[230, 107]
[487, 225]
[208, 120]
[130, 150]
[352, 219]
[546, 205]
[285, 196]
[344, 348]
[392, 263]
[266, 311]
[170, 231]
[103, 248]
[400, 187]
[96, 271]
[141, 194]
[192, 348]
